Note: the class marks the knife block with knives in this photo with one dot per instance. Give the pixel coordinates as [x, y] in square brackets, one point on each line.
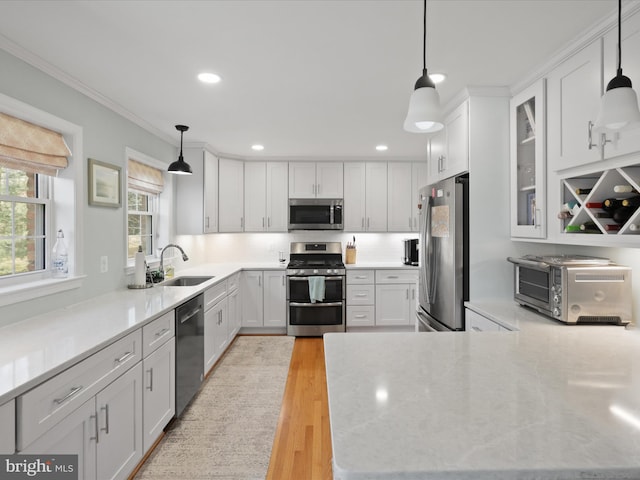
[350, 252]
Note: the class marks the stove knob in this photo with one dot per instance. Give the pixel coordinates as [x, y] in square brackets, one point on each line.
[556, 312]
[328, 271]
[556, 299]
[315, 271]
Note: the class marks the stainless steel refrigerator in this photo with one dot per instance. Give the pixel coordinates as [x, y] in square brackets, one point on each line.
[444, 255]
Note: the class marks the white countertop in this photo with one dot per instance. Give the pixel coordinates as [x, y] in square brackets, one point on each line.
[549, 401]
[37, 348]
[379, 265]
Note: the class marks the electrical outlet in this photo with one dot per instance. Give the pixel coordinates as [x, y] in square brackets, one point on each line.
[104, 264]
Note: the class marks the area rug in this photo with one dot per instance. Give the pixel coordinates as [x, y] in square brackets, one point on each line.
[227, 431]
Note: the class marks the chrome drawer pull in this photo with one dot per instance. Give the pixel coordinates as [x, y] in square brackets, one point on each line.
[392, 276]
[360, 294]
[95, 417]
[150, 387]
[162, 332]
[73, 391]
[106, 418]
[360, 316]
[360, 277]
[124, 357]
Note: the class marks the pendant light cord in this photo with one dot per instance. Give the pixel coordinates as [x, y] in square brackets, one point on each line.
[424, 37]
[619, 37]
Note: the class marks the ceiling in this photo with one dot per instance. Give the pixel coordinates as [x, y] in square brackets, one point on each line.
[305, 78]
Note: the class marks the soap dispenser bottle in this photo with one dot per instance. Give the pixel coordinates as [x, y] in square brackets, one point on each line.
[60, 257]
[140, 279]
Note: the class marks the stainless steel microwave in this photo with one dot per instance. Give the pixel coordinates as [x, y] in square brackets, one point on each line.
[574, 288]
[315, 214]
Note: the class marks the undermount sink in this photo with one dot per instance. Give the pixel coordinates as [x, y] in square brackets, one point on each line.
[185, 281]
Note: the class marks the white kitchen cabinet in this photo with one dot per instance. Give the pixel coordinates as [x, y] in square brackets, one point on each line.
[105, 431]
[404, 181]
[275, 299]
[449, 148]
[474, 322]
[528, 163]
[252, 298]
[365, 196]
[626, 141]
[361, 298]
[265, 196]
[316, 180]
[234, 312]
[396, 296]
[574, 89]
[216, 336]
[159, 396]
[231, 188]
[8, 431]
[197, 194]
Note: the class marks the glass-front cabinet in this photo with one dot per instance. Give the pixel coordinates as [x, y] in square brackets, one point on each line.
[528, 196]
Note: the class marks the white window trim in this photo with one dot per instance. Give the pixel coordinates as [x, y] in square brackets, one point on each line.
[66, 213]
[164, 213]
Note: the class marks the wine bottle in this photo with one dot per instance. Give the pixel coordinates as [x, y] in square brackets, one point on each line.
[593, 204]
[631, 202]
[572, 228]
[611, 204]
[589, 227]
[623, 189]
[612, 227]
[622, 214]
[583, 191]
[602, 214]
[569, 206]
[565, 215]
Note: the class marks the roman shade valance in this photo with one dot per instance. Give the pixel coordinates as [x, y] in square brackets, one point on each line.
[29, 147]
[145, 178]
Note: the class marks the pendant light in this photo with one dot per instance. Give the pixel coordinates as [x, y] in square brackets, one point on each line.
[619, 105]
[180, 167]
[424, 115]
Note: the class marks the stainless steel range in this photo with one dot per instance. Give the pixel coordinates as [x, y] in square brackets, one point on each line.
[315, 289]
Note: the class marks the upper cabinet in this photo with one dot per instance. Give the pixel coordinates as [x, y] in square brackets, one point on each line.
[197, 194]
[265, 196]
[403, 182]
[624, 142]
[449, 148]
[365, 197]
[528, 173]
[231, 181]
[316, 180]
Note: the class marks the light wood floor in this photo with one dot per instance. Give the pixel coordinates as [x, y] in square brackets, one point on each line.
[302, 444]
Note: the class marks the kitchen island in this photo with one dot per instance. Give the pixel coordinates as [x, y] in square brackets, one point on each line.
[549, 401]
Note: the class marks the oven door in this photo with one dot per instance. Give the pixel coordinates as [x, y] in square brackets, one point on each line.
[533, 286]
[313, 319]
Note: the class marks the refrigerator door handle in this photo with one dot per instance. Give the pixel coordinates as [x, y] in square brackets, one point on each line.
[426, 253]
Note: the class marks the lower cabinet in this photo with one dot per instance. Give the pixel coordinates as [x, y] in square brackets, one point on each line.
[264, 299]
[159, 395]
[216, 337]
[477, 323]
[8, 430]
[105, 432]
[395, 304]
[234, 310]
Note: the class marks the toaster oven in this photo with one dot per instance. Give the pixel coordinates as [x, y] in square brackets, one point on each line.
[573, 288]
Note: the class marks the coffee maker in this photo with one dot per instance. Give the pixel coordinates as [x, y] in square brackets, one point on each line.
[411, 251]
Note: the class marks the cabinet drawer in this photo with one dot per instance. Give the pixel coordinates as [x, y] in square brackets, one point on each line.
[8, 431]
[361, 294]
[361, 316]
[396, 276]
[233, 282]
[214, 294]
[360, 276]
[477, 323]
[42, 407]
[154, 334]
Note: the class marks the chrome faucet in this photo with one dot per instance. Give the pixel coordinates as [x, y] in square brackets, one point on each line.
[184, 257]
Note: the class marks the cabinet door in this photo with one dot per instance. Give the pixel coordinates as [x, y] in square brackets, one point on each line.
[233, 304]
[231, 185]
[393, 304]
[275, 299]
[159, 395]
[221, 332]
[302, 180]
[119, 409]
[329, 180]
[255, 194]
[528, 162]
[354, 197]
[573, 93]
[216, 335]
[627, 141]
[74, 435]
[8, 433]
[277, 197]
[419, 178]
[399, 199]
[376, 197]
[252, 295]
[210, 193]
[437, 152]
[456, 158]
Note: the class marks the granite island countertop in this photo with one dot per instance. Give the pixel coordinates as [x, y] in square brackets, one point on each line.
[548, 401]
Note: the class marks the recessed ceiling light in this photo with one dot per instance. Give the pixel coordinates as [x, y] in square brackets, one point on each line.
[257, 147]
[437, 77]
[208, 77]
[382, 148]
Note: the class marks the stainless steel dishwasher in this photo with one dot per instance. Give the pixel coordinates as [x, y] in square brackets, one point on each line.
[189, 351]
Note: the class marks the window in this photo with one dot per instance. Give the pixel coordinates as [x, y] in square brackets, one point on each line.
[24, 210]
[140, 222]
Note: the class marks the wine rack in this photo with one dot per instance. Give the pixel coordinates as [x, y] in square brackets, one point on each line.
[600, 187]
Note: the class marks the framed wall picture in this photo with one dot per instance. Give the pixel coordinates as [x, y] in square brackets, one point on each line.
[104, 184]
